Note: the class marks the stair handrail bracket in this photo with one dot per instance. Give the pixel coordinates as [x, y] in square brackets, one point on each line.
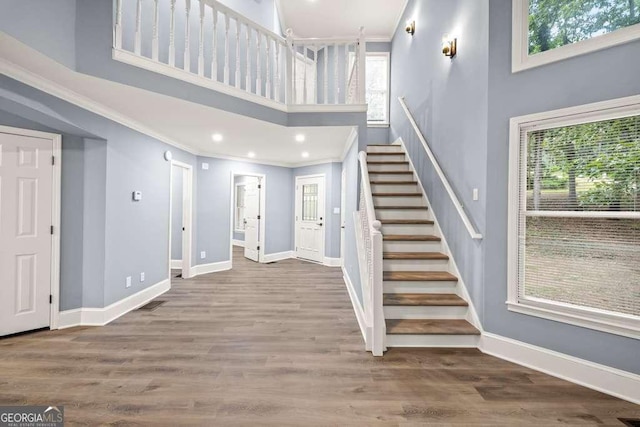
[373, 281]
[475, 235]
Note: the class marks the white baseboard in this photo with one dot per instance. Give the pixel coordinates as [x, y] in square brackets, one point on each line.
[278, 256]
[176, 264]
[102, 316]
[238, 243]
[614, 382]
[332, 262]
[357, 308]
[215, 267]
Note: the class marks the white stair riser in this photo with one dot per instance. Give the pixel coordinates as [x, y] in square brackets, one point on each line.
[408, 228]
[405, 246]
[415, 265]
[390, 177]
[387, 158]
[403, 214]
[384, 149]
[399, 201]
[396, 188]
[420, 312]
[388, 167]
[432, 340]
[419, 287]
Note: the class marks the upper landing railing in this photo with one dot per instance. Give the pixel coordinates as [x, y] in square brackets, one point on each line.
[206, 43]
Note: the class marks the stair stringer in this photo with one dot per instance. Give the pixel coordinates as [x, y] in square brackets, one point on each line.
[461, 289]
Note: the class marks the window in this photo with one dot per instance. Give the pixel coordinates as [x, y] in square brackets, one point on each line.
[310, 202]
[574, 219]
[546, 31]
[378, 88]
[239, 208]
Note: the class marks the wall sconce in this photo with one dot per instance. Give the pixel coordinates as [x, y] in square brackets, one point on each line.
[449, 46]
[411, 27]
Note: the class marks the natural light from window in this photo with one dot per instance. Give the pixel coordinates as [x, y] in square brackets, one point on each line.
[378, 88]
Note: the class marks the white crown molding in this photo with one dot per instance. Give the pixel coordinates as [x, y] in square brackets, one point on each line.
[283, 24]
[614, 382]
[399, 19]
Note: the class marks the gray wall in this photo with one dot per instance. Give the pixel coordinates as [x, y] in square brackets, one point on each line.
[599, 76]
[176, 212]
[333, 176]
[448, 99]
[351, 266]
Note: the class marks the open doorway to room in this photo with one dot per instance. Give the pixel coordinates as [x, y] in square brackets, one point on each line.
[180, 220]
[248, 218]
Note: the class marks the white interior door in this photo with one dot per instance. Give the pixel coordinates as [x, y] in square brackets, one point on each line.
[310, 218]
[26, 175]
[252, 220]
[343, 218]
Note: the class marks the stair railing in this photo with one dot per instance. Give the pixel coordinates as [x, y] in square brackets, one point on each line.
[371, 263]
[443, 178]
[223, 50]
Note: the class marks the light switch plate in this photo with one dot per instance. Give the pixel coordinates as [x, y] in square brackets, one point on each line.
[205, 166]
[137, 196]
[128, 282]
[476, 196]
[203, 255]
[336, 211]
[142, 277]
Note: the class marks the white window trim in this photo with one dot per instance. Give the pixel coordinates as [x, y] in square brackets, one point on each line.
[385, 123]
[235, 208]
[615, 323]
[521, 60]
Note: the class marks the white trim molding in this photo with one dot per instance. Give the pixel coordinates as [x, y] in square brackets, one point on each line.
[280, 256]
[215, 267]
[614, 382]
[103, 316]
[332, 262]
[176, 264]
[521, 60]
[586, 317]
[357, 307]
[239, 243]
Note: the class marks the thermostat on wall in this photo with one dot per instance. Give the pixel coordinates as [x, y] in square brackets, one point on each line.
[137, 196]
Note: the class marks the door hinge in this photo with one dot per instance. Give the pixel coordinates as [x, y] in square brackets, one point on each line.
[259, 186]
[258, 248]
[53, 160]
[258, 216]
[50, 299]
[52, 230]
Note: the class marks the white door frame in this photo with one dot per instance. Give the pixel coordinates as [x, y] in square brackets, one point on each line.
[343, 217]
[56, 150]
[297, 213]
[187, 216]
[263, 213]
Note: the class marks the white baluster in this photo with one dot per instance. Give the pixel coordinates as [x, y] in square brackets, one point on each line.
[248, 75]
[172, 34]
[137, 47]
[289, 64]
[201, 41]
[226, 49]
[214, 55]
[336, 73]
[187, 36]
[268, 64]
[347, 75]
[277, 86]
[117, 37]
[314, 96]
[326, 74]
[362, 71]
[154, 43]
[238, 72]
[305, 58]
[258, 63]
[295, 73]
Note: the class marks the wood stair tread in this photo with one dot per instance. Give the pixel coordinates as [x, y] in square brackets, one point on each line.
[382, 162]
[415, 255]
[410, 238]
[384, 145]
[430, 327]
[407, 221]
[401, 207]
[390, 172]
[388, 153]
[424, 300]
[393, 182]
[418, 276]
[396, 194]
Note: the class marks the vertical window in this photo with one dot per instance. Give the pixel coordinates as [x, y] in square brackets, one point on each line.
[545, 31]
[239, 207]
[310, 202]
[377, 70]
[575, 219]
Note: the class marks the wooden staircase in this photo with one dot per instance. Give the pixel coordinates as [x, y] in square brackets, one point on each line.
[424, 303]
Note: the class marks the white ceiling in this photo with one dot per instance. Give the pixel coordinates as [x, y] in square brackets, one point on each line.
[181, 123]
[341, 18]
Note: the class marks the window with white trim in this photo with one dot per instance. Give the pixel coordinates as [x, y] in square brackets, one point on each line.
[377, 70]
[239, 208]
[574, 242]
[546, 31]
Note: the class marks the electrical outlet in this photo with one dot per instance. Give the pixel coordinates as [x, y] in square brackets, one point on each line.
[203, 255]
[142, 276]
[205, 166]
[128, 282]
[476, 196]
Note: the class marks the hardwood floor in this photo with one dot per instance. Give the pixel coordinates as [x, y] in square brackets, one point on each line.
[276, 344]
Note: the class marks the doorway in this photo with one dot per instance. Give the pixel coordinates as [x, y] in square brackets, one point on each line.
[29, 230]
[248, 214]
[180, 220]
[310, 217]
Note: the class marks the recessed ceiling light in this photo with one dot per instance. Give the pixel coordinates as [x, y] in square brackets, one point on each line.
[217, 137]
[305, 154]
[300, 137]
[251, 154]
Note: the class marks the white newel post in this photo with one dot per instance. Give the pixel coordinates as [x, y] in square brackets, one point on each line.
[156, 33]
[117, 32]
[137, 47]
[187, 36]
[362, 68]
[172, 34]
[201, 41]
[214, 43]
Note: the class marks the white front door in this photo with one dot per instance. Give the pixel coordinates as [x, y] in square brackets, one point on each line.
[252, 220]
[310, 218]
[26, 175]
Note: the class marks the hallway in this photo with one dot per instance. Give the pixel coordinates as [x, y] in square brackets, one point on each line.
[275, 344]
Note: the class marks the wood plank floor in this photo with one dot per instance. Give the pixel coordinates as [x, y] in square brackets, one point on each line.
[278, 345]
